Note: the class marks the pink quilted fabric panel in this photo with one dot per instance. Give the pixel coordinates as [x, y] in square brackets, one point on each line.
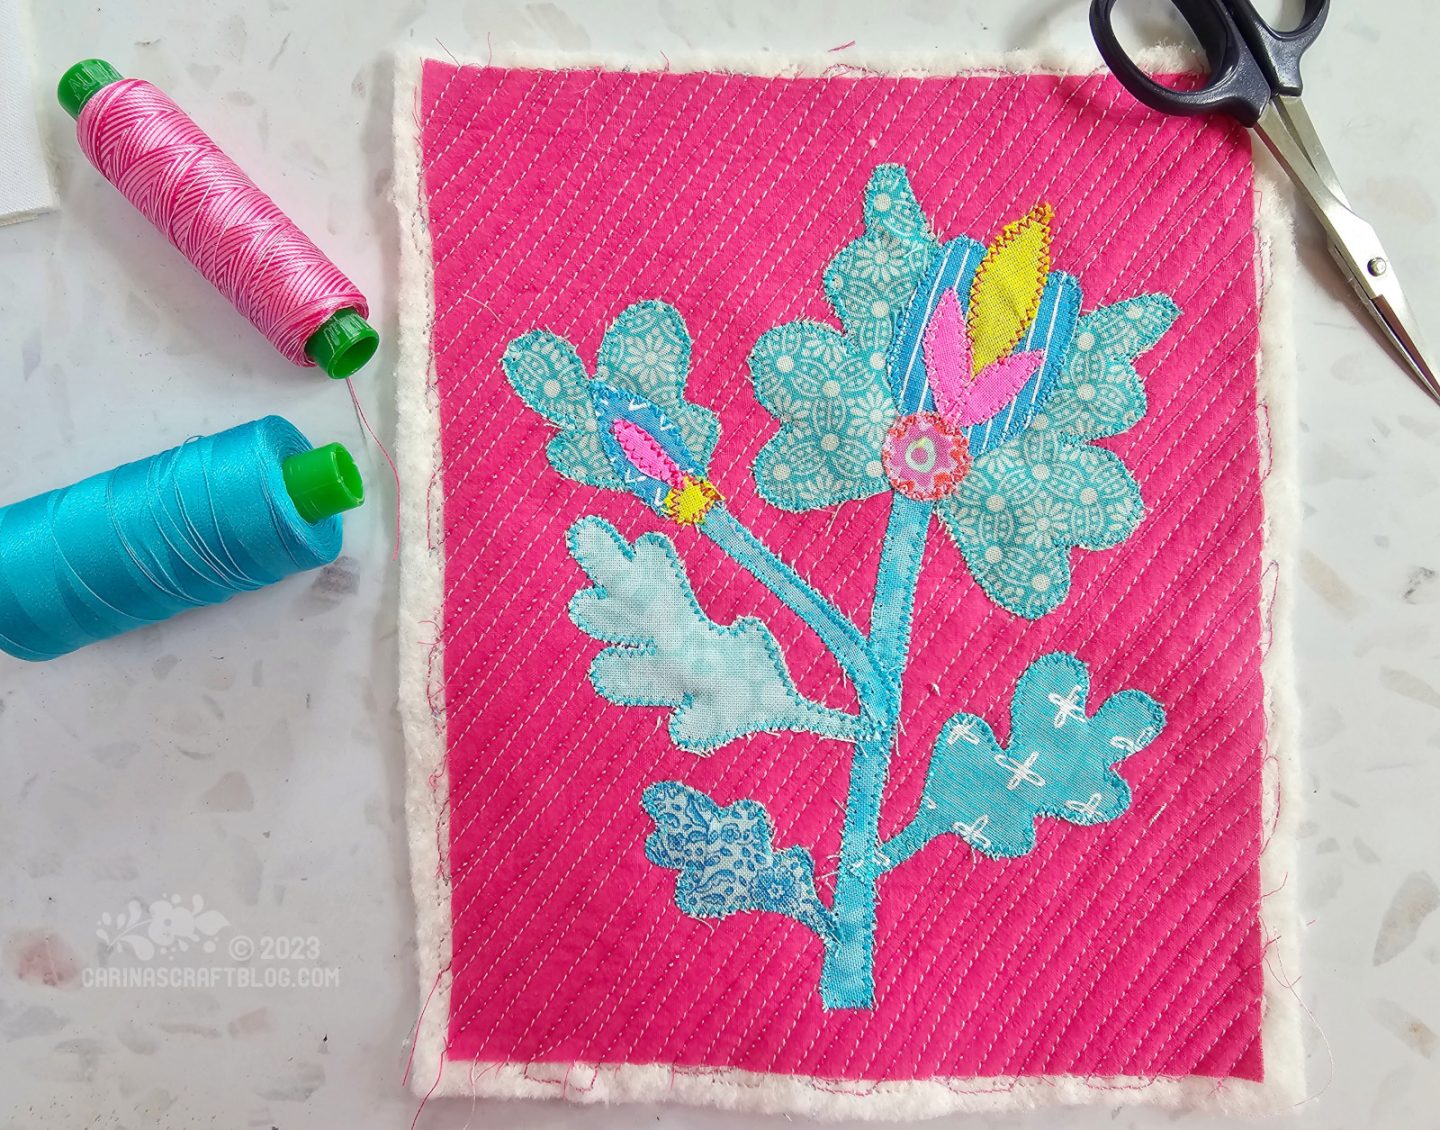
[1131, 947]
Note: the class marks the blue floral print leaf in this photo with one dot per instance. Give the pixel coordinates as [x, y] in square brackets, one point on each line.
[721, 682]
[726, 859]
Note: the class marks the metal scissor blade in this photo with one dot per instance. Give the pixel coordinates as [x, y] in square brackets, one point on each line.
[1393, 313]
[1353, 242]
[1375, 283]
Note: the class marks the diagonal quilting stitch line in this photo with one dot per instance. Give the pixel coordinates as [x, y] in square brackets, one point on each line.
[1139, 957]
[726, 222]
[670, 924]
[492, 85]
[1063, 1027]
[1079, 991]
[1124, 926]
[1242, 1011]
[1239, 987]
[517, 140]
[534, 113]
[851, 570]
[628, 191]
[503, 284]
[1176, 791]
[1240, 910]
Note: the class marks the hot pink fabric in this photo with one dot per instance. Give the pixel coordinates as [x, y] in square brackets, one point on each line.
[557, 199]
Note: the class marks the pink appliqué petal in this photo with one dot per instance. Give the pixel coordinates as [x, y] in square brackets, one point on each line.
[997, 385]
[644, 450]
[947, 357]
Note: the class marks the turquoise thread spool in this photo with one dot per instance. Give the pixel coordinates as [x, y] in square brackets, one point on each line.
[187, 528]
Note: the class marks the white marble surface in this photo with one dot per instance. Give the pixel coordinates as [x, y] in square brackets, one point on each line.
[251, 755]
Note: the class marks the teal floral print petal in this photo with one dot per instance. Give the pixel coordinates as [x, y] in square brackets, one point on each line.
[830, 390]
[645, 353]
[837, 409]
[547, 373]
[1026, 504]
[1099, 393]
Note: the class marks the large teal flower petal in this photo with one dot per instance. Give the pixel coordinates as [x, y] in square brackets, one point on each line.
[837, 408]
[829, 390]
[1027, 503]
[647, 351]
[549, 376]
[1099, 393]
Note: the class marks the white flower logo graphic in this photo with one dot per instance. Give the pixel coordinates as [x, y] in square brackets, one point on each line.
[167, 926]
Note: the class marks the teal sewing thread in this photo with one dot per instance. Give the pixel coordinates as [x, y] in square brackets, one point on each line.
[189, 527]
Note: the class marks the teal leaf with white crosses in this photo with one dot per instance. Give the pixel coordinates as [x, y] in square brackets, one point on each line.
[828, 389]
[726, 859]
[1059, 763]
[646, 351]
[722, 682]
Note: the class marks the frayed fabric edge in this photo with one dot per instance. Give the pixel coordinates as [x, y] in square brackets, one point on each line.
[422, 688]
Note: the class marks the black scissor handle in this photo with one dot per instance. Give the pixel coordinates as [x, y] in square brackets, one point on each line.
[1279, 52]
[1238, 85]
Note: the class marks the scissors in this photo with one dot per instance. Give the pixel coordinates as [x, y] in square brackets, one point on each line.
[1255, 79]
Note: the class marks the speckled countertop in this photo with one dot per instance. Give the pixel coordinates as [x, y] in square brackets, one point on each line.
[250, 755]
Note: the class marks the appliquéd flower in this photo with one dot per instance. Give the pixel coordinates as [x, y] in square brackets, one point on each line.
[689, 497]
[643, 365]
[965, 376]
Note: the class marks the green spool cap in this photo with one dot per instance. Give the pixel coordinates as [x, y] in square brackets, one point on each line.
[81, 81]
[323, 482]
[343, 344]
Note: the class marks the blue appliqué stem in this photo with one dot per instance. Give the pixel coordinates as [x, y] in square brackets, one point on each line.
[876, 666]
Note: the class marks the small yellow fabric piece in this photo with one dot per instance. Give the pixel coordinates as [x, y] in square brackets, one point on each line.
[689, 505]
[1008, 285]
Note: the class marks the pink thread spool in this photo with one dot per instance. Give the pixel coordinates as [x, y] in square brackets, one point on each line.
[205, 205]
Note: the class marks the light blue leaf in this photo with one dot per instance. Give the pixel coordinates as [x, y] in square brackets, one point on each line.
[726, 859]
[722, 682]
[1059, 763]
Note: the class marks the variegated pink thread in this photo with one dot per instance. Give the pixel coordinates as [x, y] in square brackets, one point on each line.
[235, 235]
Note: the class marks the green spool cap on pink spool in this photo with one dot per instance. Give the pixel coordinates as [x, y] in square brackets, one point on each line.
[343, 343]
[323, 482]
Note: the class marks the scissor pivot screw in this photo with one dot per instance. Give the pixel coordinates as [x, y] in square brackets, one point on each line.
[1377, 266]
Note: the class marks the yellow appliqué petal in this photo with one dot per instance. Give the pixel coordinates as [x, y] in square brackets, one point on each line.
[1008, 285]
